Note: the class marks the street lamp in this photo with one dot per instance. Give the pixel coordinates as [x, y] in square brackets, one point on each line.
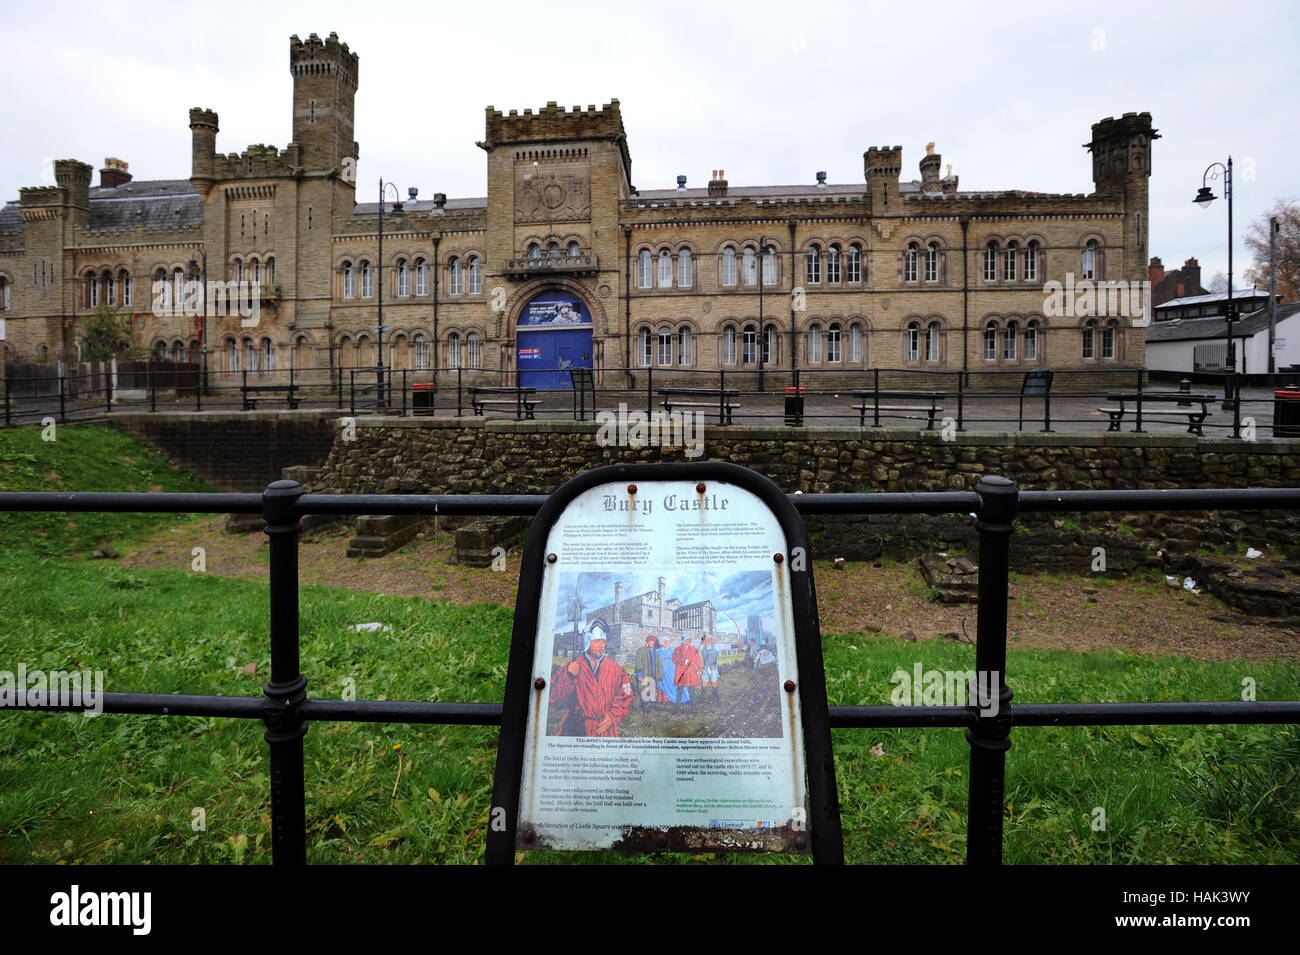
[202, 277]
[379, 328]
[1204, 196]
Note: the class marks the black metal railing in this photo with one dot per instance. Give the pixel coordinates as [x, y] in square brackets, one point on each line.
[944, 400]
[996, 502]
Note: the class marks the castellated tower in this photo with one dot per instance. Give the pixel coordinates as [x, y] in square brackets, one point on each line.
[324, 91]
[203, 148]
[882, 166]
[1121, 168]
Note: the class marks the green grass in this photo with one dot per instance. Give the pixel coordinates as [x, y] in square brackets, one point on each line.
[124, 789]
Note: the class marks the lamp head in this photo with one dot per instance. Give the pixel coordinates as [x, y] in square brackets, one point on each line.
[1204, 197]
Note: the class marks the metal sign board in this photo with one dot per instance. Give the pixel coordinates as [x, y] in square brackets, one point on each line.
[665, 688]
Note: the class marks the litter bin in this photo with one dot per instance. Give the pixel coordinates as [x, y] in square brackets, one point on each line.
[422, 398]
[794, 406]
[1286, 412]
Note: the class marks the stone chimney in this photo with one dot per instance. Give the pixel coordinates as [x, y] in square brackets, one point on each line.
[1192, 274]
[113, 174]
[930, 169]
[949, 183]
[1155, 271]
[718, 184]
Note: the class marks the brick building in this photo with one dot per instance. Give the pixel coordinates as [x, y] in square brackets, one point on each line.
[566, 263]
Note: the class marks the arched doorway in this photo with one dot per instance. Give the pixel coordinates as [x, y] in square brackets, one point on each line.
[552, 336]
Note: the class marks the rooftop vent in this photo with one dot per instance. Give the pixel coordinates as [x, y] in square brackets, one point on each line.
[681, 182]
[821, 180]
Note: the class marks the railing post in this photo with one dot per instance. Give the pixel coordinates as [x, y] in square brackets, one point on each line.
[153, 389]
[9, 413]
[459, 394]
[875, 416]
[352, 392]
[990, 737]
[1047, 404]
[1138, 413]
[340, 377]
[403, 392]
[108, 389]
[63, 403]
[649, 391]
[961, 401]
[288, 687]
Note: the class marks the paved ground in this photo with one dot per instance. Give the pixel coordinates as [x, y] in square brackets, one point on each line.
[1077, 414]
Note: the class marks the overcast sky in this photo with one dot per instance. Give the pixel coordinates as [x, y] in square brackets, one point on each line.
[770, 92]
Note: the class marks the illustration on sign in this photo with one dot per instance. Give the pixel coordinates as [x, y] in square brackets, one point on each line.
[664, 644]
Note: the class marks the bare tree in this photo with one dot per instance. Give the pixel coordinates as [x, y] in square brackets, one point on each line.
[1218, 284]
[1287, 213]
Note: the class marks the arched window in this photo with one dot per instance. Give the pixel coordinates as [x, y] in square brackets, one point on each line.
[855, 343]
[769, 344]
[729, 345]
[232, 355]
[991, 262]
[665, 270]
[1031, 262]
[1090, 259]
[124, 280]
[421, 345]
[250, 354]
[1031, 341]
[814, 344]
[162, 291]
[474, 347]
[1009, 268]
[932, 341]
[553, 250]
[685, 353]
[833, 341]
[109, 284]
[239, 271]
[421, 277]
[644, 350]
[575, 250]
[475, 275]
[749, 345]
[178, 287]
[728, 266]
[257, 272]
[403, 278]
[349, 281]
[643, 273]
[991, 341]
[832, 269]
[455, 278]
[1108, 334]
[748, 266]
[813, 260]
[178, 351]
[268, 355]
[367, 280]
[534, 250]
[1089, 327]
[158, 353]
[1009, 341]
[92, 290]
[685, 269]
[909, 262]
[932, 262]
[453, 350]
[769, 266]
[4, 294]
[853, 264]
[912, 341]
[665, 345]
[270, 270]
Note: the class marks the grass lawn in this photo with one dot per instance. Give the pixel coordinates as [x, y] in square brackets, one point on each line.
[139, 789]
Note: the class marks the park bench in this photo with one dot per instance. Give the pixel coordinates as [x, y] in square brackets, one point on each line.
[720, 400]
[250, 394]
[521, 399]
[870, 401]
[1195, 419]
[584, 386]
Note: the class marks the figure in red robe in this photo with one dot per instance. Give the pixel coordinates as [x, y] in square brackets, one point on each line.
[594, 690]
[687, 659]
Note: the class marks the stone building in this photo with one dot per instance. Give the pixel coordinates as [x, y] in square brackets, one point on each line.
[565, 262]
[629, 620]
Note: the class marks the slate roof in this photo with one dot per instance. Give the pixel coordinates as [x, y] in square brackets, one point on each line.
[154, 204]
[11, 217]
[1213, 297]
[424, 206]
[1194, 329]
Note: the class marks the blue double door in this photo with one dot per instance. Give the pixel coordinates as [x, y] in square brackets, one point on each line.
[544, 356]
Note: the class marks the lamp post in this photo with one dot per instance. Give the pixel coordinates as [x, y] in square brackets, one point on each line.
[379, 327]
[202, 277]
[1204, 197]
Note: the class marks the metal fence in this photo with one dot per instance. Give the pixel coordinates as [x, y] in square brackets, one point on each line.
[1086, 400]
[286, 708]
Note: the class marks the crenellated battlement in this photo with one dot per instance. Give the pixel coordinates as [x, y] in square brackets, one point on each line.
[328, 57]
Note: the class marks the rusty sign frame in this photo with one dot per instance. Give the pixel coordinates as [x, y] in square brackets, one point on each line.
[823, 835]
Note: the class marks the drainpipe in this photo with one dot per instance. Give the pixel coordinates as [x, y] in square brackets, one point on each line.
[627, 304]
[965, 299]
[794, 337]
[437, 237]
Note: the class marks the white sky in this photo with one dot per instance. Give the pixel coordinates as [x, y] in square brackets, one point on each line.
[770, 92]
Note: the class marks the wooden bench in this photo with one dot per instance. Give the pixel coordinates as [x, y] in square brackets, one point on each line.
[250, 404]
[1195, 419]
[870, 402]
[721, 400]
[522, 400]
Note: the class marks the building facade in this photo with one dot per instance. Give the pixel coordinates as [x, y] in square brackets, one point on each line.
[566, 263]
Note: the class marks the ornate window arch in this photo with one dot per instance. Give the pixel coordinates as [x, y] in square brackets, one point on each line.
[813, 265]
[664, 263]
[644, 347]
[910, 256]
[853, 263]
[473, 350]
[685, 268]
[815, 343]
[1089, 332]
[833, 262]
[912, 341]
[991, 340]
[349, 280]
[455, 276]
[834, 334]
[991, 261]
[664, 341]
[367, 279]
[932, 261]
[453, 349]
[403, 278]
[1033, 331]
[729, 265]
[685, 346]
[644, 271]
[475, 277]
[749, 265]
[933, 341]
[729, 344]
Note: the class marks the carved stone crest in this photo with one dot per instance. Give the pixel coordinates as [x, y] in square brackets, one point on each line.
[552, 193]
